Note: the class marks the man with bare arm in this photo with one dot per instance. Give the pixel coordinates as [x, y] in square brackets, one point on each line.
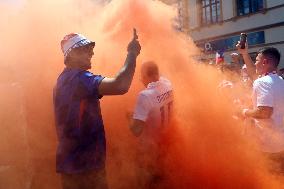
[268, 103]
[151, 116]
[81, 148]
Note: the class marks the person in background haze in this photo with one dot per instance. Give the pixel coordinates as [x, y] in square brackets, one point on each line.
[151, 116]
[81, 148]
[236, 62]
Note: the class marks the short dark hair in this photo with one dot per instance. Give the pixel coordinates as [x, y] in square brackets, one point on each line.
[151, 68]
[272, 53]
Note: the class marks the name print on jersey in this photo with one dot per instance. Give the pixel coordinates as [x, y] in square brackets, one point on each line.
[166, 102]
[161, 98]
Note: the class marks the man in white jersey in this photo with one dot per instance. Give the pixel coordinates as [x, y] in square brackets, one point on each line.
[151, 115]
[268, 101]
[154, 104]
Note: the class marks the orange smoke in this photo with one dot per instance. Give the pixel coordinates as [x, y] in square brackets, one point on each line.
[205, 148]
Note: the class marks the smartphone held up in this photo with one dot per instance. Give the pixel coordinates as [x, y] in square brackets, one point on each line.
[243, 40]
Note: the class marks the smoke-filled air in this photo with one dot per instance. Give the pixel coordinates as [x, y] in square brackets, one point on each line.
[203, 147]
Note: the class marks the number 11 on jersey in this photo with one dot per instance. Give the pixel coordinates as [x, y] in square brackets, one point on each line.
[166, 113]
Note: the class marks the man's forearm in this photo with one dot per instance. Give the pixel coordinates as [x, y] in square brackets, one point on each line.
[250, 66]
[136, 126]
[125, 74]
[258, 113]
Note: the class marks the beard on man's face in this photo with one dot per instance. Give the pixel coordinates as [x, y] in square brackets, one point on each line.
[81, 62]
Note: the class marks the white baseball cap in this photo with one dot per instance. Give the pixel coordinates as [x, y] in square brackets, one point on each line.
[74, 40]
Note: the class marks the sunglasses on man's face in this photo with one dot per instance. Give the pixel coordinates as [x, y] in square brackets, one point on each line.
[86, 48]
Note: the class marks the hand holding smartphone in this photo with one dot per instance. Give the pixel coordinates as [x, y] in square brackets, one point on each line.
[243, 40]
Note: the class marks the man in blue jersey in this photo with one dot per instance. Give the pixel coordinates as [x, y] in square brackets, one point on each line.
[81, 148]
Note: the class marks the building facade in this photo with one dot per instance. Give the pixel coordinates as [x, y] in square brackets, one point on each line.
[215, 25]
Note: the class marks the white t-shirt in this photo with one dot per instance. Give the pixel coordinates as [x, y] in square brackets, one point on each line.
[154, 105]
[269, 91]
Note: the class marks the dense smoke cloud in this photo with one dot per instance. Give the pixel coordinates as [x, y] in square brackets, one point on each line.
[205, 146]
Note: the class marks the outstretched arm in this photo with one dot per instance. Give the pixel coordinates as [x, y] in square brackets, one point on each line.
[261, 112]
[121, 82]
[248, 61]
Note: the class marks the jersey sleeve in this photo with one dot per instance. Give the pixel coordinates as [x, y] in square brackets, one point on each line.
[264, 96]
[89, 85]
[142, 108]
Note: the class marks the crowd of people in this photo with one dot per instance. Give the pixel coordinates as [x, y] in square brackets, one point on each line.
[81, 148]
[263, 110]
[81, 151]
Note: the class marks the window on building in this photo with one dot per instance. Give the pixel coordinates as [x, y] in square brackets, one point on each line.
[249, 6]
[211, 11]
